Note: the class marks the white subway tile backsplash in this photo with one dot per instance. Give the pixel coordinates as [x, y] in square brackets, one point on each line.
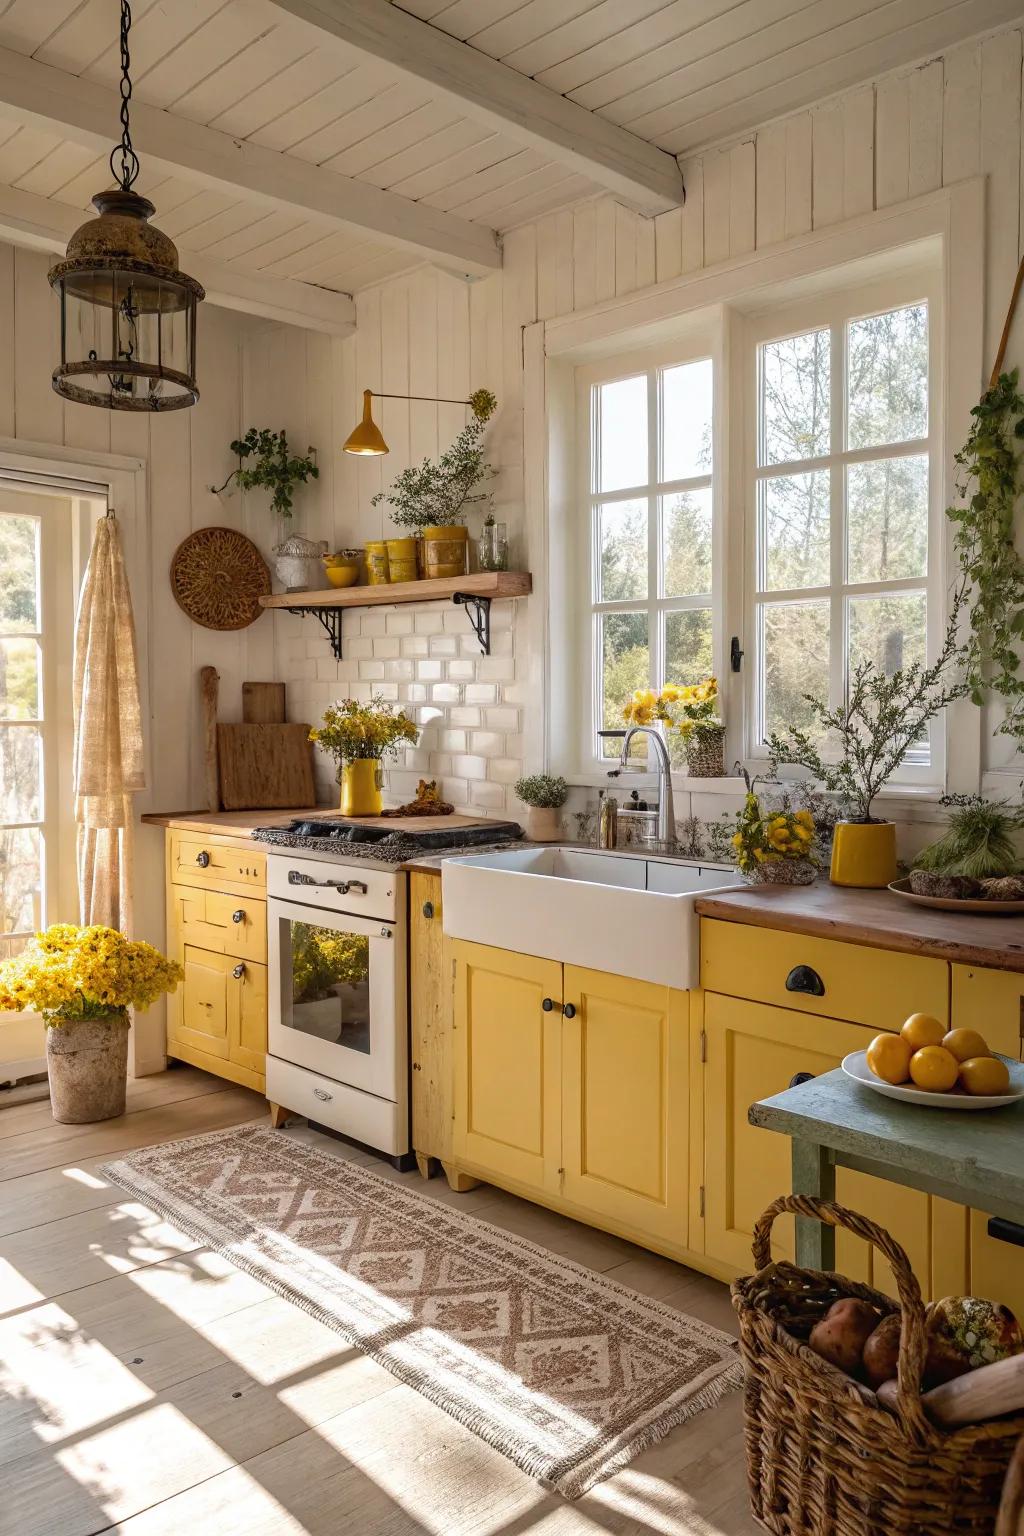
[430, 671]
[505, 770]
[462, 671]
[399, 671]
[429, 622]
[387, 647]
[455, 621]
[452, 741]
[399, 622]
[357, 649]
[465, 716]
[371, 671]
[470, 766]
[488, 796]
[446, 693]
[487, 743]
[497, 669]
[415, 646]
[444, 645]
[501, 719]
[373, 623]
[455, 790]
[414, 693]
[481, 693]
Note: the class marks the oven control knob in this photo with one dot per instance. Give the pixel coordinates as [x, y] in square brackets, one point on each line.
[239, 971]
[239, 916]
[202, 859]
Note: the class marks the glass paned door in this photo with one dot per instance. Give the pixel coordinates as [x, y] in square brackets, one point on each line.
[22, 875]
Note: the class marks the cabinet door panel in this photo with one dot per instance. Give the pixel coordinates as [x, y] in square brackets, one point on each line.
[203, 1019]
[430, 1002]
[753, 1051]
[997, 1266]
[624, 1101]
[248, 1018]
[213, 920]
[507, 1064]
[993, 1003]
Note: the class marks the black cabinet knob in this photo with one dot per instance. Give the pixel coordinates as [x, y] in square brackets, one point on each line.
[428, 910]
[569, 1011]
[802, 978]
[548, 1004]
[1005, 1231]
[239, 971]
[801, 1077]
[238, 916]
[202, 859]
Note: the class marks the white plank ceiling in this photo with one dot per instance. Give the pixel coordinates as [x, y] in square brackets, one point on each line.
[677, 73]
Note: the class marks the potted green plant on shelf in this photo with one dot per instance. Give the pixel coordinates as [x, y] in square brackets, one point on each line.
[83, 981]
[854, 748]
[976, 856]
[276, 469]
[359, 736]
[544, 795]
[428, 498]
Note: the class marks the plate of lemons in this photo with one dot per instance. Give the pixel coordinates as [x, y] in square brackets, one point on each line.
[944, 1069]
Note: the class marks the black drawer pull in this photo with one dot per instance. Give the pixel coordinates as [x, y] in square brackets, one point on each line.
[801, 1077]
[1006, 1231]
[428, 910]
[548, 1004]
[569, 1011]
[203, 859]
[803, 979]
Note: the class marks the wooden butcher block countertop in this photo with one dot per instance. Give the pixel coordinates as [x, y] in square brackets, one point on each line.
[245, 823]
[876, 918]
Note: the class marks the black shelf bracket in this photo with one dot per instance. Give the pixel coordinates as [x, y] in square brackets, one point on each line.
[330, 618]
[479, 611]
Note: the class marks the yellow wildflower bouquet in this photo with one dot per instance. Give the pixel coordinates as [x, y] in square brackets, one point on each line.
[770, 846]
[690, 710]
[352, 730]
[85, 973]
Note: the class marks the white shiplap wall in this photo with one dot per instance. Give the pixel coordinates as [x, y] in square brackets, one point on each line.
[954, 117]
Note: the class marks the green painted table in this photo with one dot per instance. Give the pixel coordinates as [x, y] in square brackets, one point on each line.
[973, 1157]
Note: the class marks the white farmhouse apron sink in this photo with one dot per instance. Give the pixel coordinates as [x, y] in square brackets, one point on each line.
[625, 914]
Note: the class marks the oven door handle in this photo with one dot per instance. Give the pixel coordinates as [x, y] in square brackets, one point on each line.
[343, 887]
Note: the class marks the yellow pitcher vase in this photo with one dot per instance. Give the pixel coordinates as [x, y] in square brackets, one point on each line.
[361, 781]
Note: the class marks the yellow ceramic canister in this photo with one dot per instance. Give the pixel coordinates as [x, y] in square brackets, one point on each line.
[402, 561]
[445, 549]
[377, 571]
[864, 854]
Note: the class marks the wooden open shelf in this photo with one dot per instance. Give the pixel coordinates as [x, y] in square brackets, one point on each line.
[475, 593]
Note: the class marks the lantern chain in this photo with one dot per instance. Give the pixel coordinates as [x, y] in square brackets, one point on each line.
[129, 168]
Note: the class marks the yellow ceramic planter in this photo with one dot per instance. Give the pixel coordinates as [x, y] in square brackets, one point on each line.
[361, 782]
[864, 854]
[402, 560]
[445, 550]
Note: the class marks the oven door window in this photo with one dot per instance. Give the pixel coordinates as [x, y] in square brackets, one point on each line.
[330, 985]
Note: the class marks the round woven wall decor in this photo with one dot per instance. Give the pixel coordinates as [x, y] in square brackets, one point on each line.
[218, 577]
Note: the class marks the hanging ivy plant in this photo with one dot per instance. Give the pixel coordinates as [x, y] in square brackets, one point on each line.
[274, 469]
[988, 482]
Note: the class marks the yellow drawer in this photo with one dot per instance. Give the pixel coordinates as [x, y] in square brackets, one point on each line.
[217, 863]
[875, 987]
[992, 1002]
[216, 920]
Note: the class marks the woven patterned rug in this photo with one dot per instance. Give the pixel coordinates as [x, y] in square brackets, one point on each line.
[562, 1370]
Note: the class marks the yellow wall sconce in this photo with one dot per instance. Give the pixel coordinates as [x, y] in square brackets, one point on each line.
[368, 439]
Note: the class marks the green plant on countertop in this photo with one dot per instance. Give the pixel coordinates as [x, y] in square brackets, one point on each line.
[430, 495]
[274, 469]
[857, 746]
[978, 841]
[542, 790]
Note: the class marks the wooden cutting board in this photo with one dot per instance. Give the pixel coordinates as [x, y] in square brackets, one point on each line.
[265, 767]
[263, 703]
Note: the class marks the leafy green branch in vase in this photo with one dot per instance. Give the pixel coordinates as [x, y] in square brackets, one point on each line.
[434, 494]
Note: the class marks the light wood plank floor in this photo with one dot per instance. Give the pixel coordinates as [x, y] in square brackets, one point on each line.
[148, 1386]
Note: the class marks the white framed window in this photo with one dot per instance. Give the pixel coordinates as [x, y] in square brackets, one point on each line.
[844, 553]
[648, 588]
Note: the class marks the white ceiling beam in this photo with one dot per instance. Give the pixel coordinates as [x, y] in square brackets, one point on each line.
[43, 225]
[499, 96]
[53, 100]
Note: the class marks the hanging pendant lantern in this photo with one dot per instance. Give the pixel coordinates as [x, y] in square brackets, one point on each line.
[127, 314]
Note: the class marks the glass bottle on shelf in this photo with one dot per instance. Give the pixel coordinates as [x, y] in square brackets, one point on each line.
[492, 545]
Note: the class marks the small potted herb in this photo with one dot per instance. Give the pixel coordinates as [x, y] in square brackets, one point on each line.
[975, 856]
[870, 735]
[428, 498]
[544, 795]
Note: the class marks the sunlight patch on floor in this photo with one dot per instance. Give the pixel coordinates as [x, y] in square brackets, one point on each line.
[65, 1382]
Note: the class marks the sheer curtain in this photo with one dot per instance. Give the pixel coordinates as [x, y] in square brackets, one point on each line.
[108, 762]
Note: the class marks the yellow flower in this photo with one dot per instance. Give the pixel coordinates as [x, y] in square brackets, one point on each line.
[805, 819]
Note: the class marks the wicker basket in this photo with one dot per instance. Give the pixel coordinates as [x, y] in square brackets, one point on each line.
[705, 753]
[824, 1458]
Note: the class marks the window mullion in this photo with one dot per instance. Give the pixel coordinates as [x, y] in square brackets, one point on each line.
[655, 575]
[837, 515]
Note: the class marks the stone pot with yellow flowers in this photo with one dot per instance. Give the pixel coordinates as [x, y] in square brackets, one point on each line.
[359, 736]
[691, 711]
[83, 981]
[773, 847]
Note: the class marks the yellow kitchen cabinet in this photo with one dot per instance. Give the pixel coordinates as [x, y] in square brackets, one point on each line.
[217, 930]
[754, 1050]
[507, 1045]
[993, 1003]
[624, 1102]
[431, 996]
[219, 1016]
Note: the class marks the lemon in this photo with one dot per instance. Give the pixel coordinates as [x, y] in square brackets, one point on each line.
[984, 1074]
[922, 1029]
[934, 1068]
[965, 1043]
[888, 1056]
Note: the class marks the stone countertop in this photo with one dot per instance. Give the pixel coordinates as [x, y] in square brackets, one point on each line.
[876, 918]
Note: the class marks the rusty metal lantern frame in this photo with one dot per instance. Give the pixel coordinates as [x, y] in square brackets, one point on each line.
[121, 264]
